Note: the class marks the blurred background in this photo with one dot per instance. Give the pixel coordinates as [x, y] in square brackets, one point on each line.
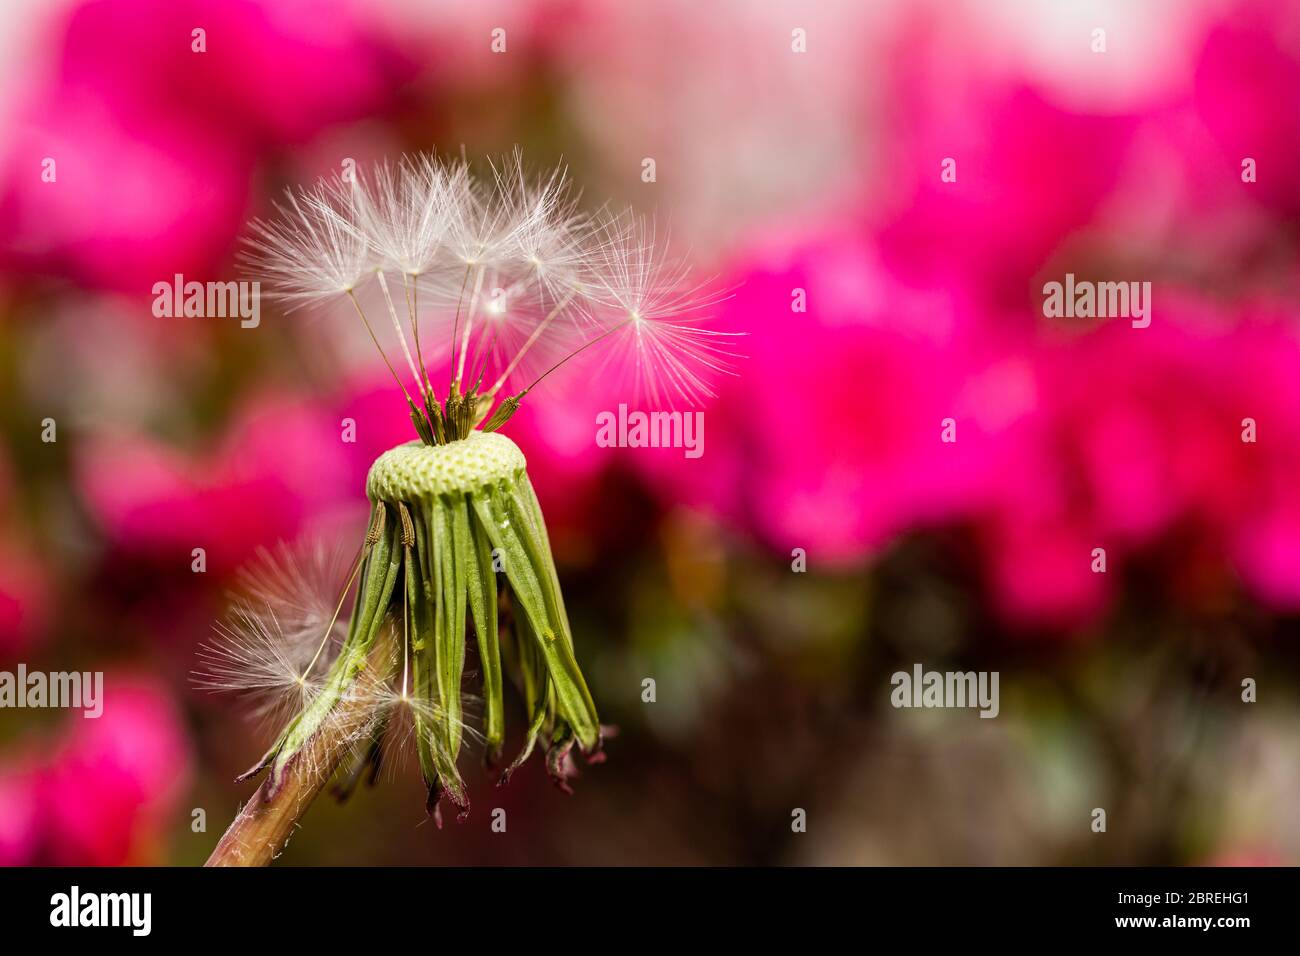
[779, 170]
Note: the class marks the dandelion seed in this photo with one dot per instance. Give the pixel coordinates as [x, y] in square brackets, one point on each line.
[316, 249]
[651, 313]
[283, 620]
[403, 214]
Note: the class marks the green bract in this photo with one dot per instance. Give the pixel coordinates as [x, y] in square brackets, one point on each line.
[445, 521]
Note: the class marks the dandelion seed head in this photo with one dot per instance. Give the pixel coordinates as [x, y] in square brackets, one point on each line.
[504, 277]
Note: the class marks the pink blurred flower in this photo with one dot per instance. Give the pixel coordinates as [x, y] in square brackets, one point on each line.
[1068, 440]
[272, 72]
[19, 813]
[1267, 553]
[1039, 573]
[1137, 442]
[281, 462]
[1249, 60]
[834, 436]
[130, 206]
[1028, 172]
[155, 144]
[112, 786]
[1264, 514]
[104, 790]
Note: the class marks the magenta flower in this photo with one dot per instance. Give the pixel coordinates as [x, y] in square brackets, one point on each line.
[19, 812]
[177, 196]
[1248, 59]
[1038, 572]
[105, 791]
[154, 143]
[1137, 443]
[994, 226]
[159, 503]
[272, 71]
[112, 786]
[845, 404]
[1129, 440]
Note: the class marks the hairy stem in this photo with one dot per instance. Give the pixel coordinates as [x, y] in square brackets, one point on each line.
[262, 828]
